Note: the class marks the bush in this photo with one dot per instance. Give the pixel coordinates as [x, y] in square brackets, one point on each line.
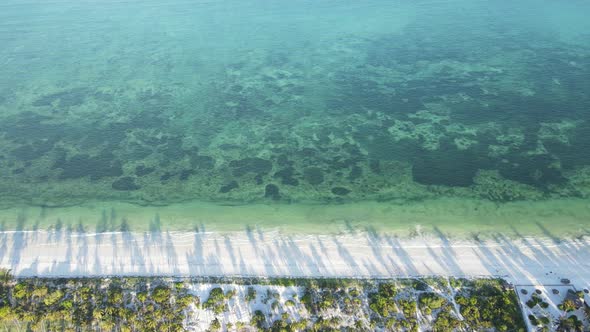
[142, 296]
[161, 295]
[382, 302]
[408, 308]
[230, 294]
[420, 285]
[258, 319]
[299, 325]
[535, 299]
[53, 298]
[307, 299]
[445, 321]
[327, 301]
[381, 305]
[567, 306]
[216, 295]
[115, 295]
[20, 291]
[387, 289]
[251, 295]
[184, 301]
[491, 304]
[216, 301]
[431, 301]
[215, 325]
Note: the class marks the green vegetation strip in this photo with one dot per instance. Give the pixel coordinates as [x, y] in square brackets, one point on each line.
[162, 304]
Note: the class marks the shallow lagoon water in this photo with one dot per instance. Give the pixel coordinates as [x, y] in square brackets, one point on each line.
[290, 106]
[443, 217]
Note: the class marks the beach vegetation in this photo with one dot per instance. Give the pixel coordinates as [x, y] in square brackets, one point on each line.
[157, 304]
[161, 295]
[299, 325]
[307, 299]
[409, 309]
[569, 324]
[457, 283]
[258, 319]
[491, 305]
[327, 301]
[216, 301]
[251, 294]
[280, 325]
[230, 294]
[534, 300]
[382, 301]
[568, 305]
[215, 325]
[88, 305]
[430, 301]
[446, 320]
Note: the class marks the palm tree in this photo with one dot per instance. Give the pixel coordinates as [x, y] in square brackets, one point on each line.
[6, 276]
[97, 314]
[569, 324]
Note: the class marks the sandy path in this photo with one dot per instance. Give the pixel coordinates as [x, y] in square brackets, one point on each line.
[523, 261]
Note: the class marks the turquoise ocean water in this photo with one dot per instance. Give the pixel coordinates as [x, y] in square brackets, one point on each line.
[286, 102]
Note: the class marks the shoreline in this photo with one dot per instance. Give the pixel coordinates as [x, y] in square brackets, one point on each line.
[444, 237]
[456, 218]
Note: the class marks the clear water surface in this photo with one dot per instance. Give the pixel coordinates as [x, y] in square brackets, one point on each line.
[279, 103]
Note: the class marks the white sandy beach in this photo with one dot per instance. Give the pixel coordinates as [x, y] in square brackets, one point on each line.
[258, 253]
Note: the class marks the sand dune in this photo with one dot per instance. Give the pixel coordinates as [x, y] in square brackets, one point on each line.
[258, 253]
